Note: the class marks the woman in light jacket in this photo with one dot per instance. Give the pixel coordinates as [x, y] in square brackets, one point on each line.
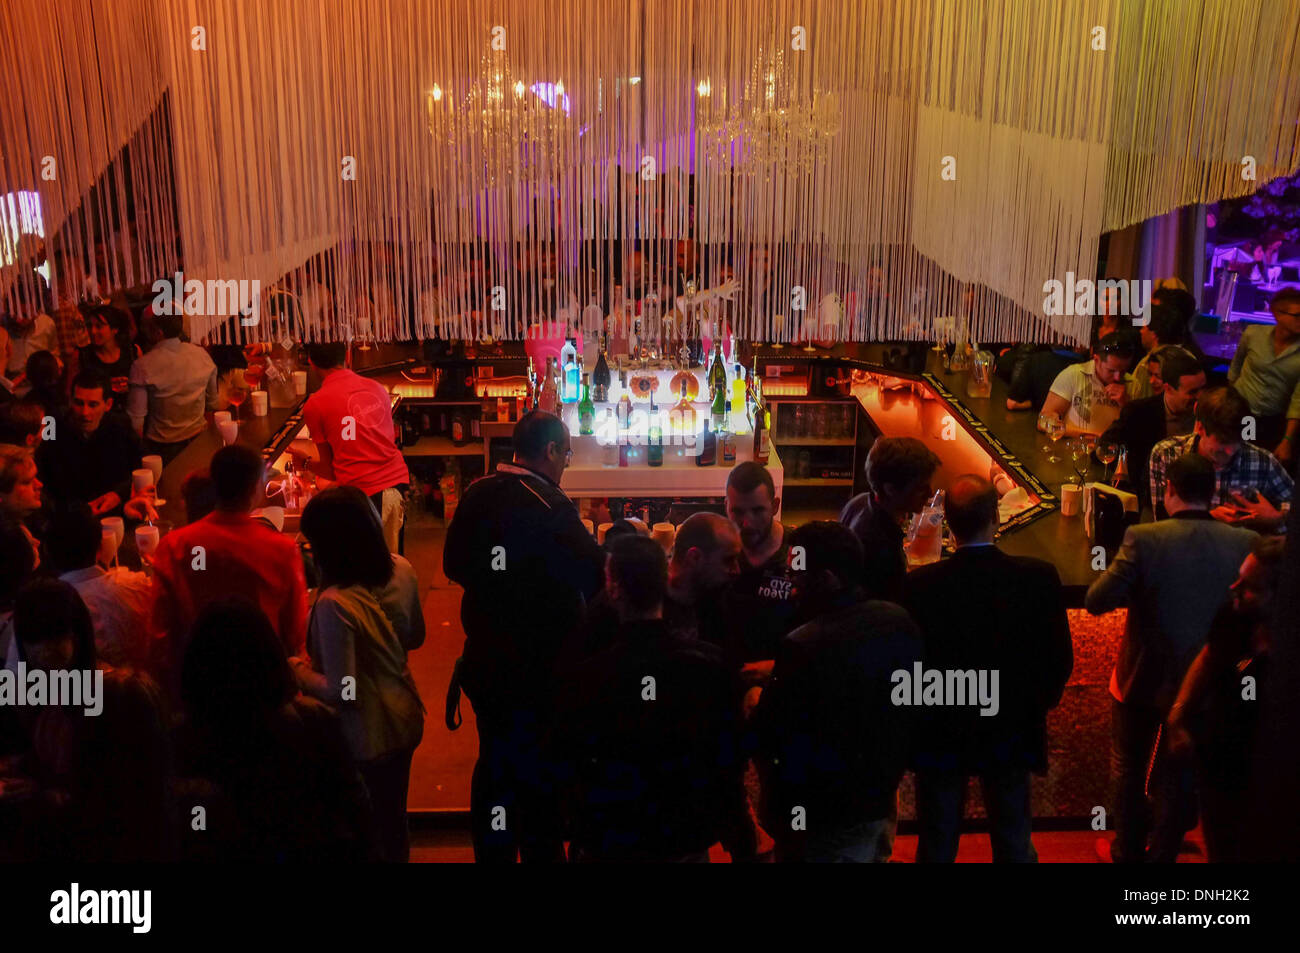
[365, 619]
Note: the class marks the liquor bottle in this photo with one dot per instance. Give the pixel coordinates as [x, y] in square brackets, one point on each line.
[762, 438]
[549, 398]
[624, 411]
[569, 359]
[736, 413]
[533, 391]
[708, 448]
[655, 439]
[727, 439]
[609, 440]
[719, 408]
[586, 409]
[717, 375]
[457, 428]
[684, 413]
[600, 379]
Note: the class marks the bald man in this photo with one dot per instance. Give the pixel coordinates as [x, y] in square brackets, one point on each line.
[993, 614]
[705, 560]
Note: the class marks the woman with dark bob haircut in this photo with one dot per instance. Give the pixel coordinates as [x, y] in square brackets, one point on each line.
[365, 620]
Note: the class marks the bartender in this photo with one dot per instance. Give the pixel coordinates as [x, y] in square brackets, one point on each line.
[760, 602]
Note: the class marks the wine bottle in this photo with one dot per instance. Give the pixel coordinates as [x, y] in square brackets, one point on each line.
[762, 439]
[727, 439]
[586, 410]
[600, 379]
[708, 448]
[655, 440]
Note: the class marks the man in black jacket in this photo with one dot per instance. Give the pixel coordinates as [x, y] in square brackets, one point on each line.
[833, 747]
[528, 567]
[92, 453]
[652, 727]
[1144, 423]
[985, 613]
[898, 471]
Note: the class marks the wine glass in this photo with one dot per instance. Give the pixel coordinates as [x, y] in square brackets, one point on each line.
[237, 391]
[1055, 431]
[1080, 459]
[1044, 441]
[1107, 453]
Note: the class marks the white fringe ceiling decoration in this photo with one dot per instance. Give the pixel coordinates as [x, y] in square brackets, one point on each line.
[855, 166]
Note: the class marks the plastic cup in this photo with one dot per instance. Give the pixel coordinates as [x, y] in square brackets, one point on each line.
[108, 546]
[154, 463]
[221, 417]
[259, 401]
[141, 480]
[146, 539]
[1071, 499]
[300, 382]
[117, 525]
[229, 431]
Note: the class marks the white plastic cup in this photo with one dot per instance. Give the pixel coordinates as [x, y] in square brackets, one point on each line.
[300, 382]
[221, 417]
[229, 431]
[108, 545]
[141, 480]
[117, 525]
[154, 463]
[601, 530]
[589, 526]
[259, 401]
[1071, 499]
[146, 539]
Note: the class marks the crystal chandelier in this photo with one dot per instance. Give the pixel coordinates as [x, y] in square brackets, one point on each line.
[775, 122]
[501, 127]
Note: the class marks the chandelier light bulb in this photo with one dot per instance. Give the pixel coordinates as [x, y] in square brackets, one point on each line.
[436, 93]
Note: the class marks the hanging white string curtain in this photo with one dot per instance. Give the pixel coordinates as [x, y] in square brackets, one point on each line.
[366, 154]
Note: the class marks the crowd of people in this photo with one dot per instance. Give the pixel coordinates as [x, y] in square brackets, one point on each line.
[742, 689]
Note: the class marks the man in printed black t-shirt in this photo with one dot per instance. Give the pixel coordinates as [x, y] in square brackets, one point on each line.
[759, 603]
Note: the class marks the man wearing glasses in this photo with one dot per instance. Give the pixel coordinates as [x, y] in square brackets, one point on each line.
[1266, 371]
[528, 567]
[1089, 396]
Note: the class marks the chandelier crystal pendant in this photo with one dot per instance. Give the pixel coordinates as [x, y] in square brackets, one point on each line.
[777, 121]
[502, 126]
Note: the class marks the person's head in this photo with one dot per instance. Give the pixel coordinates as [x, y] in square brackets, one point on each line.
[1285, 306]
[899, 470]
[618, 530]
[542, 443]
[200, 495]
[20, 488]
[825, 559]
[685, 255]
[72, 538]
[109, 326]
[170, 325]
[347, 540]
[327, 355]
[42, 371]
[971, 508]
[53, 627]
[18, 558]
[1112, 358]
[1220, 416]
[752, 503]
[21, 422]
[236, 473]
[1179, 299]
[706, 553]
[235, 669]
[636, 576]
[92, 398]
[1182, 376]
[1166, 326]
[1189, 483]
[1257, 579]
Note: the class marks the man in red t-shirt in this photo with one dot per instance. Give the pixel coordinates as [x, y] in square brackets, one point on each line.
[226, 554]
[351, 422]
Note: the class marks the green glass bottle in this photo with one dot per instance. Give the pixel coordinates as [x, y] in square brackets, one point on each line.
[586, 409]
[655, 441]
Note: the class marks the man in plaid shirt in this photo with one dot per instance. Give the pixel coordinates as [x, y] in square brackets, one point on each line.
[1251, 487]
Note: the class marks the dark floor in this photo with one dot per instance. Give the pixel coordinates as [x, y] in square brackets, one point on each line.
[1054, 847]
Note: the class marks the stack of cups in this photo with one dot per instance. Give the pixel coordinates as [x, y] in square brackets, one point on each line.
[259, 401]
